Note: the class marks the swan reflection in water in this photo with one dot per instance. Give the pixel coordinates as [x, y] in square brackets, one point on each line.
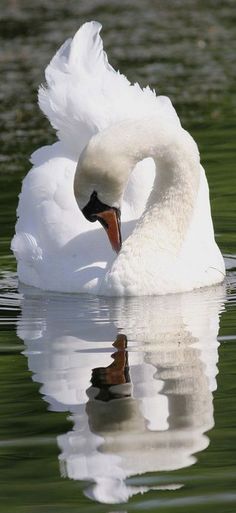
[140, 405]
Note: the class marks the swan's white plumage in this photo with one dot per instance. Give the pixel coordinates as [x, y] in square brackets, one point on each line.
[85, 95]
[56, 248]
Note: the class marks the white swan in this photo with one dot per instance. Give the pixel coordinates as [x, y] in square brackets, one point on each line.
[121, 136]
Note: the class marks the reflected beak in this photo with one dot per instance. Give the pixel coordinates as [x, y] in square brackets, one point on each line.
[110, 220]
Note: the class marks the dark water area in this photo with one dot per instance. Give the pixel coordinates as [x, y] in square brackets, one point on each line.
[120, 405]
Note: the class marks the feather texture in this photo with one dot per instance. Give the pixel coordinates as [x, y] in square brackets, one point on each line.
[84, 94]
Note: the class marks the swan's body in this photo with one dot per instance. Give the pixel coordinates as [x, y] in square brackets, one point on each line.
[110, 128]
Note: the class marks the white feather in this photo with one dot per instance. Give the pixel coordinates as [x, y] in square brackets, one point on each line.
[84, 94]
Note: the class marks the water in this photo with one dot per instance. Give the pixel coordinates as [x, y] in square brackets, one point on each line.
[120, 405]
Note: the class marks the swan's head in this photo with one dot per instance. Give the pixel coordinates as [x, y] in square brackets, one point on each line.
[100, 179]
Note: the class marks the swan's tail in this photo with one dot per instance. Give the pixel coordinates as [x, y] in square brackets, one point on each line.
[84, 94]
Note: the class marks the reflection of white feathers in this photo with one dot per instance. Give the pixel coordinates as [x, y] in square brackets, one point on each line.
[159, 420]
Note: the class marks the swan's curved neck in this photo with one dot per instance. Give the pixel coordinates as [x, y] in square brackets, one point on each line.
[112, 154]
[171, 202]
[170, 205]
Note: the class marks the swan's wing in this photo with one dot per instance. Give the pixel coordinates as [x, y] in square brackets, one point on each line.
[84, 94]
[55, 246]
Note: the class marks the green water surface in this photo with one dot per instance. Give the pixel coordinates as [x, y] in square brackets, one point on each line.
[186, 50]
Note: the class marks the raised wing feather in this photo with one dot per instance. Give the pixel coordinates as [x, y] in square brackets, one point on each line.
[84, 94]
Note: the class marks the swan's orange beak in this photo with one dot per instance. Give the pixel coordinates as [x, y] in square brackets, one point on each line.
[110, 220]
